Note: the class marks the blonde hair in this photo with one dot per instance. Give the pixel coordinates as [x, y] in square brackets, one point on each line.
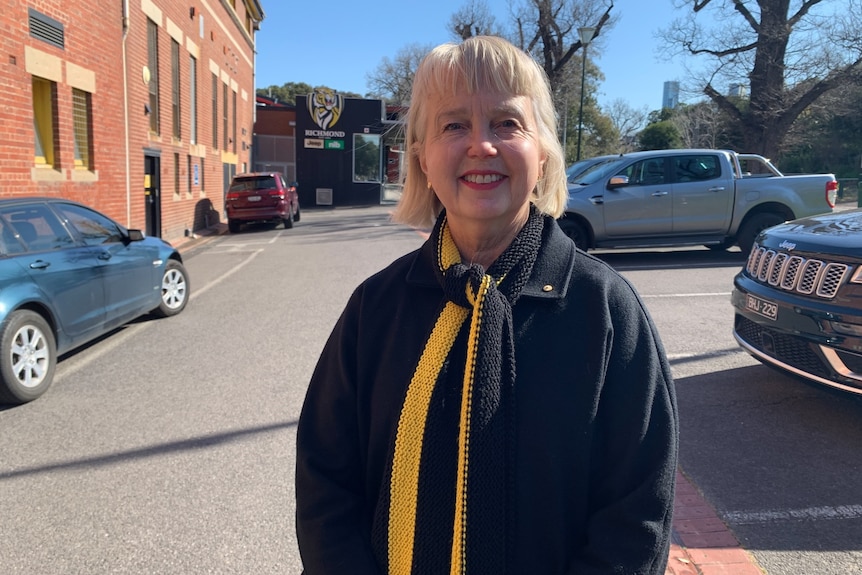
[480, 63]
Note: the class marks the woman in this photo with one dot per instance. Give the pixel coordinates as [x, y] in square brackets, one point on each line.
[519, 420]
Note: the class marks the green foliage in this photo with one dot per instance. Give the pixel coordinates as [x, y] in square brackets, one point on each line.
[660, 135]
[287, 93]
[827, 138]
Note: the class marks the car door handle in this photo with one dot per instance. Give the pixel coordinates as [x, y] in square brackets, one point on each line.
[597, 200]
[717, 189]
[658, 194]
[39, 265]
[105, 256]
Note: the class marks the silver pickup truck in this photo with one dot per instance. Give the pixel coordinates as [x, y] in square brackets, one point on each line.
[661, 198]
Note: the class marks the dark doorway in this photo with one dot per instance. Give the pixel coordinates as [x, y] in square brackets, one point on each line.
[153, 195]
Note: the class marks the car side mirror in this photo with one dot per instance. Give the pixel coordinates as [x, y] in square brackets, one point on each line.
[618, 182]
[136, 235]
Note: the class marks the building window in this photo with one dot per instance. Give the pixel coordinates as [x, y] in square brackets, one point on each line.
[82, 119]
[203, 175]
[44, 118]
[233, 127]
[366, 158]
[193, 100]
[175, 88]
[224, 116]
[153, 66]
[215, 112]
[176, 175]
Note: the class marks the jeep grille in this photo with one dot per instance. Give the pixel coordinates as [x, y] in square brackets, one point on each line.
[795, 273]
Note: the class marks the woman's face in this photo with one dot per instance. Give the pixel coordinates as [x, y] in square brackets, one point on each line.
[482, 157]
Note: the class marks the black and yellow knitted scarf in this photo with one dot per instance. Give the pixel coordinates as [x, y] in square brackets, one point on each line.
[447, 503]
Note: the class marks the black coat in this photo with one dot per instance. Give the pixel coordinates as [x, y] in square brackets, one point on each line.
[596, 418]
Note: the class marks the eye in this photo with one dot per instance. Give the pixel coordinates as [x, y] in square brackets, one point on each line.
[453, 126]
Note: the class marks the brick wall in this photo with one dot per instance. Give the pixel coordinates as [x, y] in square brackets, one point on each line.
[107, 60]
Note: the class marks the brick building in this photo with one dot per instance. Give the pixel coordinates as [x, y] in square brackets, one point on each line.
[142, 109]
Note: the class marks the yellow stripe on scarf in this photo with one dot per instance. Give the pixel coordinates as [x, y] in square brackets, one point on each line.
[408, 443]
[459, 541]
[411, 425]
[404, 481]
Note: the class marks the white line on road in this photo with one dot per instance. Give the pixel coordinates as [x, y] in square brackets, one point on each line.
[704, 294]
[78, 361]
[816, 513]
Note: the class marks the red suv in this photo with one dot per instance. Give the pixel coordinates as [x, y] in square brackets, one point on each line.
[261, 197]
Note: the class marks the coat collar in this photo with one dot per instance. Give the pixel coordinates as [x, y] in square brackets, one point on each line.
[551, 275]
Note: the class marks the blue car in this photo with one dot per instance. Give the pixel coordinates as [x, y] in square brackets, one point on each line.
[69, 274]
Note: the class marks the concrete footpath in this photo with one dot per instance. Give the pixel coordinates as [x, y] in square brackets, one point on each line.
[702, 543]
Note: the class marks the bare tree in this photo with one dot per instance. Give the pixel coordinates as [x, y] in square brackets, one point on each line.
[392, 80]
[548, 29]
[473, 19]
[628, 122]
[701, 125]
[791, 52]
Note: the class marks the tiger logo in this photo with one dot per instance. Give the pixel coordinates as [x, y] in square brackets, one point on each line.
[325, 107]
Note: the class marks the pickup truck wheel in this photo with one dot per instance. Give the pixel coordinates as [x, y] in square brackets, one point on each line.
[756, 224]
[576, 231]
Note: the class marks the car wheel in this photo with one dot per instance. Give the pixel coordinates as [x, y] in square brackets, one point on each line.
[296, 214]
[288, 221]
[753, 226]
[175, 290]
[29, 356]
[575, 230]
[233, 226]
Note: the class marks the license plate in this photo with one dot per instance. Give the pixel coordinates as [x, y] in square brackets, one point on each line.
[761, 307]
[253, 198]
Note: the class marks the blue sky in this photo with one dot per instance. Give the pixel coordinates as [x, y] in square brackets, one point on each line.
[339, 42]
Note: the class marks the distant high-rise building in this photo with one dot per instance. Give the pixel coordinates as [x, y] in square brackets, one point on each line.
[737, 90]
[670, 96]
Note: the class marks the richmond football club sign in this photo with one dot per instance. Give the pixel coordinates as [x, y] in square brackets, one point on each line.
[325, 107]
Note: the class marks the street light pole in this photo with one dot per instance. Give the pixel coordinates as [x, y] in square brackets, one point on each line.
[586, 33]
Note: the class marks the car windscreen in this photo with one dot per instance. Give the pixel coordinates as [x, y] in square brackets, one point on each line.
[253, 183]
[598, 172]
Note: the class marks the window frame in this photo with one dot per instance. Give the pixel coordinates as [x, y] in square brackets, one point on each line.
[360, 140]
[153, 84]
[176, 110]
[44, 121]
[82, 123]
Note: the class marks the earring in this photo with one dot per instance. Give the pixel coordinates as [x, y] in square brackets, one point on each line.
[429, 185]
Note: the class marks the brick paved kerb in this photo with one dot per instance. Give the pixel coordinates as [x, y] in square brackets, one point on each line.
[702, 543]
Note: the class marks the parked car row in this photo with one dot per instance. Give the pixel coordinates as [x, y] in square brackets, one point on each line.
[69, 274]
[797, 300]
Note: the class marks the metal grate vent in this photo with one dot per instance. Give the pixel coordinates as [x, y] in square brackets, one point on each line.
[324, 196]
[47, 29]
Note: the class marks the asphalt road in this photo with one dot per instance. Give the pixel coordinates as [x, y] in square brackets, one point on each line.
[167, 447]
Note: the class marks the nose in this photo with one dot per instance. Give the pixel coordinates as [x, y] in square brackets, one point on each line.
[483, 142]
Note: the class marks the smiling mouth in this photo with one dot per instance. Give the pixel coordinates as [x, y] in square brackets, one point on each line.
[483, 178]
